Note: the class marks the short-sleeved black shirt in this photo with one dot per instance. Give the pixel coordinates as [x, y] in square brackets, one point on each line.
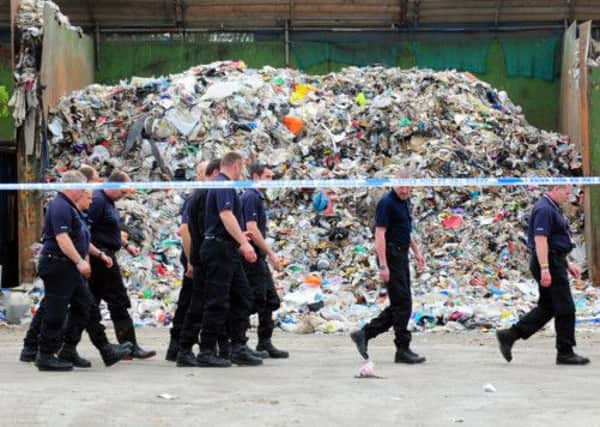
[548, 220]
[105, 221]
[62, 216]
[217, 201]
[253, 208]
[393, 213]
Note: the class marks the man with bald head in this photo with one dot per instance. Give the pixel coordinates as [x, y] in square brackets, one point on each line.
[549, 242]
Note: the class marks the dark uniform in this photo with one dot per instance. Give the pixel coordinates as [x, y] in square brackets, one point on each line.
[556, 300]
[258, 273]
[228, 297]
[72, 333]
[107, 283]
[185, 294]
[63, 283]
[394, 214]
[192, 322]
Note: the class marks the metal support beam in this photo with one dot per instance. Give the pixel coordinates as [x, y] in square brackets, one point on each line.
[287, 43]
[572, 10]
[417, 12]
[499, 4]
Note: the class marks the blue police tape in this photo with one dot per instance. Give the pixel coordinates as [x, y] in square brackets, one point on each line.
[311, 183]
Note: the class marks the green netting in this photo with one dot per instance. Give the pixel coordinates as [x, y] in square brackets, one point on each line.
[531, 57]
[465, 53]
[540, 111]
[123, 59]
[307, 54]
[6, 120]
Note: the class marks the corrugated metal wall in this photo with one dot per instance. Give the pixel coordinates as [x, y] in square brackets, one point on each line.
[318, 13]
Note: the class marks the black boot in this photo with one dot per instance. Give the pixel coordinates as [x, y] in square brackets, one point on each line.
[360, 339]
[68, 353]
[28, 354]
[405, 355]
[224, 349]
[49, 362]
[209, 359]
[186, 359]
[172, 351]
[113, 353]
[273, 352]
[126, 332]
[506, 339]
[571, 359]
[242, 356]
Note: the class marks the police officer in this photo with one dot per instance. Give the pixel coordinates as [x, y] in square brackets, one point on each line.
[549, 242]
[259, 276]
[228, 297]
[192, 323]
[107, 283]
[63, 265]
[393, 227]
[191, 237]
[110, 353]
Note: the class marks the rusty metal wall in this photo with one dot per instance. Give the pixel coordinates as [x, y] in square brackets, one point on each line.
[569, 91]
[67, 60]
[323, 13]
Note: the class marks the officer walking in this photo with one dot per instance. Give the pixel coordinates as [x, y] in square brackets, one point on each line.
[107, 283]
[259, 276]
[549, 242]
[63, 265]
[110, 353]
[393, 227]
[228, 298]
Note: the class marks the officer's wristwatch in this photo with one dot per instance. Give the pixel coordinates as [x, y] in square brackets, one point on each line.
[382, 267]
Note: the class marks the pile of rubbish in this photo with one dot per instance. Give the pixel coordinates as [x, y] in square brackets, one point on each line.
[27, 95]
[357, 123]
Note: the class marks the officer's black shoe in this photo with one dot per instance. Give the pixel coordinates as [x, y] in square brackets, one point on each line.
[272, 351]
[49, 362]
[261, 354]
[571, 359]
[208, 359]
[28, 354]
[139, 353]
[68, 353]
[224, 349]
[172, 351]
[241, 355]
[360, 339]
[113, 353]
[186, 359]
[405, 355]
[506, 339]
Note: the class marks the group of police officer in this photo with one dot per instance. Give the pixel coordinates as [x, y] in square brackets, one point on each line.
[227, 277]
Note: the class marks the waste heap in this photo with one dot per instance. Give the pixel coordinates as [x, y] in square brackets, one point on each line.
[360, 122]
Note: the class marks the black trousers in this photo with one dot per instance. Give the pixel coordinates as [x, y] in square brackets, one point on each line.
[183, 304]
[71, 333]
[192, 321]
[107, 284]
[228, 297]
[65, 290]
[554, 301]
[266, 300]
[397, 314]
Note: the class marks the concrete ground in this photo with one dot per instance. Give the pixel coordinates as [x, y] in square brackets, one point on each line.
[316, 386]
